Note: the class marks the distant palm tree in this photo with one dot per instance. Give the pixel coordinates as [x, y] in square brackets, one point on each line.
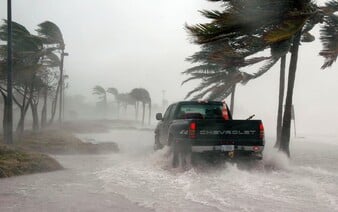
[115, 93]
[143, 96]
[102, 94]
[125, 99]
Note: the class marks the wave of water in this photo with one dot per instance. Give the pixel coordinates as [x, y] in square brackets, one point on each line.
[275, 184]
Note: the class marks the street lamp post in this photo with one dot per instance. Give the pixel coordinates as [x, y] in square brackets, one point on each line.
[63, 54]
[63, 95]
[9, 101]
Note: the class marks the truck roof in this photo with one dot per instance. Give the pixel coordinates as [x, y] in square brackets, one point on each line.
[199, 102]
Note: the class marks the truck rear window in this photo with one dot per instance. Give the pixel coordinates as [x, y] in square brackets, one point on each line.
[202, 111]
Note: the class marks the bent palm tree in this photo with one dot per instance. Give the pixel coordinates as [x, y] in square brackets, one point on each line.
[125, 99]
[115, 93]
[27, 52]
[101, 92]
[242, 22]
[52, 35]
[143, 96]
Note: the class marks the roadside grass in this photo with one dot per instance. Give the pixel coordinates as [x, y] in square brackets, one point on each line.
[15, 162]
[30, 153]
[53, 141]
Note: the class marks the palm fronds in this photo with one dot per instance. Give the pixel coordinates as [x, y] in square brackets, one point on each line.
[329, 38]
[51, 33]
[99, 90]
[113, 91]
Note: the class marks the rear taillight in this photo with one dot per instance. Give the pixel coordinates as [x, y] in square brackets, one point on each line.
[192, 130]
[261, 131]
[225, 113]
[256, 148]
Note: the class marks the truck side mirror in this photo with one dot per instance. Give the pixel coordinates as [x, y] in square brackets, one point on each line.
[159, 116]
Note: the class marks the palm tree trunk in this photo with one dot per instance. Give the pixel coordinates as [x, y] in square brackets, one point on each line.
[35, 115]
[280, 100]
[232, 106]
[44, 108]
[136, 112]
[105, 105]
[118, 109]
[54, 104]
[23, 110]
[143, 112]
[21, 124]
[149, 119]
[285, 139]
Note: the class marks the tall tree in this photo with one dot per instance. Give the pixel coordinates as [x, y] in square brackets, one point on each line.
[256, 25]
[143, 96]
[49, 76]
[102, 94]
[115, 93]
[285, 136]
[280, 101]
[27, 51]
[52, 35]
[125, 99]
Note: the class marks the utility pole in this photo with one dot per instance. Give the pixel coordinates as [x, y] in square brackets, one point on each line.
[63, 95]
[9, 101]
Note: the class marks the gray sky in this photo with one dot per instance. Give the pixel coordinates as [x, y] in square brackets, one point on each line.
[133, 43]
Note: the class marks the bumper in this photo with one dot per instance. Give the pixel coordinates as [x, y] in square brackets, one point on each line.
[249, 152]
[227, 148]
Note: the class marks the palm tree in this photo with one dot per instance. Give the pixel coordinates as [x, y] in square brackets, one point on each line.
[27, 52]
[101, 92]
[50, 61]
[126, 99]
[52, 35]
[268, 28]
[33, 63]
[329, 33]
[143, 96]
[115, 93]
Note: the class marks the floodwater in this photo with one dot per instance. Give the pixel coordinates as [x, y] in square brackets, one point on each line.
[138, 179]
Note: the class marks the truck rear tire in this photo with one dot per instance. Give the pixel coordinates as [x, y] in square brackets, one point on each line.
[175, 153]
[181, 154]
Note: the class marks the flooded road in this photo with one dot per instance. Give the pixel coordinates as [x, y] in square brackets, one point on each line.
[137, 179]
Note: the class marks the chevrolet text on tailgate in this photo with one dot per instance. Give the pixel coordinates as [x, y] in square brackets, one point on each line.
[193, 127]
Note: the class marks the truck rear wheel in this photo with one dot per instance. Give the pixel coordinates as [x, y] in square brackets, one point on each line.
[181, 154]
[175, 153]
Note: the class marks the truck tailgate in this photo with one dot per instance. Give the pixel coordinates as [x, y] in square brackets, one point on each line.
[226, 132]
